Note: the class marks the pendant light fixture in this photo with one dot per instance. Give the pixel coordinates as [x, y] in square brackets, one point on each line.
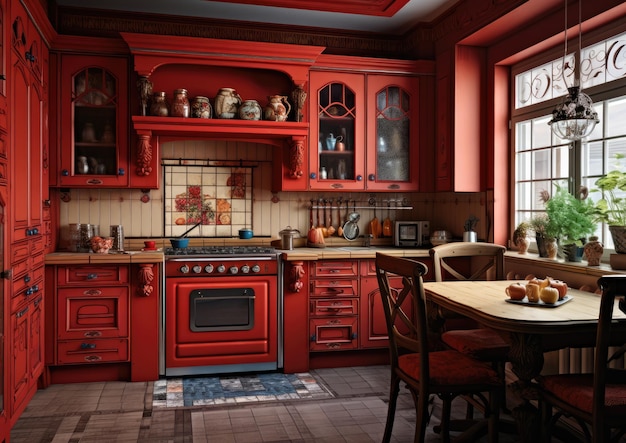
[574, 118]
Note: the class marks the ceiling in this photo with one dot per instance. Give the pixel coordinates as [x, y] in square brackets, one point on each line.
[378, 16]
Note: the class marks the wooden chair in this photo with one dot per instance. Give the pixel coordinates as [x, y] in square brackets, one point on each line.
[472, 261]
[426, 372]
[596, 401]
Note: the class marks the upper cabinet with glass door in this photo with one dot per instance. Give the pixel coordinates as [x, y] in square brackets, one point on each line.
[392, 133]
[337, 131]
[364, 132]
[94, 131]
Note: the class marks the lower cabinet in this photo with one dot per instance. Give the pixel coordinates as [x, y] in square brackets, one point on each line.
[92, 314]
[345, 307]
[27, 324]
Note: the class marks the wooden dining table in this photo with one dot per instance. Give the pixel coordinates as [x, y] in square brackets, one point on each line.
[531, 329]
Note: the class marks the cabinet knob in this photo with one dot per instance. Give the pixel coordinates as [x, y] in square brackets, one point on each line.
[92, 276]
[371, 177]
[26, 278]
[121, 171]
[313, 175]
[65, 172]
[359, 178]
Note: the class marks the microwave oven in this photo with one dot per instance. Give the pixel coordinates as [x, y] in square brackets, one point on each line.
[411, 234]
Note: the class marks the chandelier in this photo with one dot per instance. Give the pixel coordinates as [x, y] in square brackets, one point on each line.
[574, 118]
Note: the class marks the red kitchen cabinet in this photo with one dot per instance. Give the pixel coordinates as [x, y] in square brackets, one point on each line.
[92, 314]
[27, 326]
[94, 122]
[365, 132]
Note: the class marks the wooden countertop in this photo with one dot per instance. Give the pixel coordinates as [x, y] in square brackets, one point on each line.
[351, 252]
[130, 257]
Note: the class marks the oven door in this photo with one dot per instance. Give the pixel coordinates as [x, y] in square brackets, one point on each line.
[221, 324]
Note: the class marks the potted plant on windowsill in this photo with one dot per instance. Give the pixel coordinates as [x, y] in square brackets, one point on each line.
[611, 208]
[571, 220]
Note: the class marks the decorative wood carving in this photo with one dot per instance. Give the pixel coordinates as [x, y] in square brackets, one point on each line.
[144, 154]
[298, 97]
[296, 274]
[296, 157]
[145, 91]
[145, 277]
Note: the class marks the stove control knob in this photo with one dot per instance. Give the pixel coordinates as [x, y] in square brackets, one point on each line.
[184, 269]
[221, 269]
[233, 269]
[245, 269]
[208, 269]
[196, 269]
[256, 268]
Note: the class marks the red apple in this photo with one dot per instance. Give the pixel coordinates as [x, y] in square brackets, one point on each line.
[560, 286]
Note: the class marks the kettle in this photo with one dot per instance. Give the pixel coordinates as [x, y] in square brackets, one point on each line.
[286, 237]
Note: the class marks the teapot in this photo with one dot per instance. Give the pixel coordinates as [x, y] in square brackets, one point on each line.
[277, 109]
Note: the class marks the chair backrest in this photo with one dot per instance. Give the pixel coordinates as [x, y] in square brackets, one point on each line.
[402, 291]
[613, 287]
[468, 261]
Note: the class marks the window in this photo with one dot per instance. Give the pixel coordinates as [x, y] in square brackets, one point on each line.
[540, 158]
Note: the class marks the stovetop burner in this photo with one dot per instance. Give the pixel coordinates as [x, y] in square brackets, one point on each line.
[215, 251]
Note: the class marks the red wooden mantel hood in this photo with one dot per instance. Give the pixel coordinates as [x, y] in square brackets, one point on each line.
[151, 51]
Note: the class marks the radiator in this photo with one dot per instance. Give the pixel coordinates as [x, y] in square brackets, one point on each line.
[575, 361]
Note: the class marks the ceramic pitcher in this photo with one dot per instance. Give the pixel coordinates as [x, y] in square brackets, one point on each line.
[250, 110]
[277, 109]
[227, 103]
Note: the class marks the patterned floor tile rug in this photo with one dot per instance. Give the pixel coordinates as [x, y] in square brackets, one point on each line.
[234, 389]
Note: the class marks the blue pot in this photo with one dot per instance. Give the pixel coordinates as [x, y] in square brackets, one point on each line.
[245, 234]
[179, 242]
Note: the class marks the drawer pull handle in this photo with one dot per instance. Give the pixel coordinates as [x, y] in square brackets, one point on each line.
[93, 358]
[94, 292]
[87, 346]
[92, 276]
[91, 334]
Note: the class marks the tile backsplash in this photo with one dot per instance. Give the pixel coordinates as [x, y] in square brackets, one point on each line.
[271, 212]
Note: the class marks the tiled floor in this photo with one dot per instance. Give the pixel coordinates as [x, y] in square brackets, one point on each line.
[124, 412]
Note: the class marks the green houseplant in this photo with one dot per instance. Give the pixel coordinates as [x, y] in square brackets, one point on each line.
[611, 208]
[571, 220]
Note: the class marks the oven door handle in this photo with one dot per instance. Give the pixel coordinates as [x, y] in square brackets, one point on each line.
[232, 297]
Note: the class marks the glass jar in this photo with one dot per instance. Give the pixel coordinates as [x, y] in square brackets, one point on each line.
[159, 106]
[180, 103]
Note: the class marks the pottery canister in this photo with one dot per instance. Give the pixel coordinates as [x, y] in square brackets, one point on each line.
[82, 165]
[277, 109]
[201, 108]
[227, 103]
[250, 110]
[89, 134]
[159, 106]
[593, 251]
[180, 103]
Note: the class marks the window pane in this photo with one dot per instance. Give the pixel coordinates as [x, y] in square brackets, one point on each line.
[522, 136]
[541, 164]
[616, 117]
[542, 134]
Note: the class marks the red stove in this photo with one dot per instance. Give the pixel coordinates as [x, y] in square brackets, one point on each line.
[221, 310]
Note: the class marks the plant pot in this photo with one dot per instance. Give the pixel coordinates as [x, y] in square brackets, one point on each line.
[541, 245]
[618, 233]
[573, 252]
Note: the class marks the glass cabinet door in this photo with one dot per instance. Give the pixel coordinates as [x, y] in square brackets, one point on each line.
[93, 149]
[94, 106]
[392, 133]
[337, 114]
[337, 147]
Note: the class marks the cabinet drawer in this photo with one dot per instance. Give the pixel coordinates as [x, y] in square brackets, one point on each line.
[334, 288]
[92, 351]
[85, 313]
[336, 268]
[368, 267]
[72, 275]
[337, 306]
[333, 334]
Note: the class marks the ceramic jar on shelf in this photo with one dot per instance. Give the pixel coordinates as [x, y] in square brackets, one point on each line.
[227, 103]
[159, 106]
[201, 108]
[180, 104]
[250, 110]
